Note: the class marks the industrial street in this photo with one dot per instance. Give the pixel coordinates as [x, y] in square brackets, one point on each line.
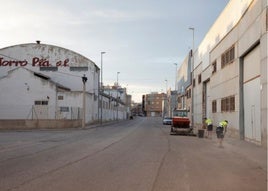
[138, 155]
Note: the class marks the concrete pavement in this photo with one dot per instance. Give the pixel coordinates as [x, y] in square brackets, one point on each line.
[249, 150]
[130, 155]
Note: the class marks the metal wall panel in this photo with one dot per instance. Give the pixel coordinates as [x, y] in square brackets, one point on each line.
[252, 110]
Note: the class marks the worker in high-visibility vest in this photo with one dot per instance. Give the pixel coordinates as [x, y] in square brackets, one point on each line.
[221, 130]
[209, 127]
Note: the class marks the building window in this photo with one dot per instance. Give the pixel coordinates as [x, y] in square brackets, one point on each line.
[232, 54]
[232, 103]
[78, 68]
[214, 106]
[64, 109]
[48, 68]
[223, 105]
[214, 67]
[179, 99]
[193, 82]
[228, 104]
[228, 57]
[60, 97]
[199, 78]
[40, 102]
[188, 93]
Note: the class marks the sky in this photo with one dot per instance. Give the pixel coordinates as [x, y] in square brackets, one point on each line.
[144, 40]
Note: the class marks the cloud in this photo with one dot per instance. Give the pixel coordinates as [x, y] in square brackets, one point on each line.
[142, 39]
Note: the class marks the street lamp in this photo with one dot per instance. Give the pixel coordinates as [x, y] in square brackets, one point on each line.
[166, 86]
[176, 75]
[192, 70]
[101, 88]
[117, 104]
[192, 29]
[84, 80]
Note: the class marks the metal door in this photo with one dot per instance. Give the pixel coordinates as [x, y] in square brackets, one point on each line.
[251, 95]
[252, 116]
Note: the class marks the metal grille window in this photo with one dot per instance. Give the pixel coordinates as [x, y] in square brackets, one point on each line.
[214, 67]
[214, 106]
[60, 97]
[199, 78]
[64, 109]
[48, 68]
[78, 68]
[40, 102]
[228, 104]
[223, 105]
[188, 93]
[228, 56]
[179, 99]
[232, 103]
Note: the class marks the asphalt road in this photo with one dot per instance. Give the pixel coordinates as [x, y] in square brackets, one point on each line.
[137, 155]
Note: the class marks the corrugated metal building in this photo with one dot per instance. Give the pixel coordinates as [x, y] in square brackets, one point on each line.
[40, 81]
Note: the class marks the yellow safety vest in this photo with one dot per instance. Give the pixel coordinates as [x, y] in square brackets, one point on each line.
[208, 121]
[223, 124]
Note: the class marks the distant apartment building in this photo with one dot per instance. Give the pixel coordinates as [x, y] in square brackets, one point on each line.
[229, 73]
[153, 104]
[170, 103]
[136, 109]
[118, 103]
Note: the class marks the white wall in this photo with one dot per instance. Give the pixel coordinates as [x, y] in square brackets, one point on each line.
[226, 21]
[14, 86]
[52, 55]
[19, 91]
[245, 27]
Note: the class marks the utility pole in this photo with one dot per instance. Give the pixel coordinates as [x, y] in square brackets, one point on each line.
[117, 105]
[192, 70]
[84, 80]
[176, 76]
[101, 86]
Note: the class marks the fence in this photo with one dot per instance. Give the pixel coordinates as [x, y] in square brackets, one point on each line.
[39, 112]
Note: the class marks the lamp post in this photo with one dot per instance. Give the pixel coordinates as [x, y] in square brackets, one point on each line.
[192, 71]
[84, 80]
[176, 75]
[166, 86]
[192, 29]
[101, 88]
[117, 104]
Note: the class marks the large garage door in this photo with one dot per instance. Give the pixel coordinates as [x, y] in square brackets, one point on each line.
[252, 111]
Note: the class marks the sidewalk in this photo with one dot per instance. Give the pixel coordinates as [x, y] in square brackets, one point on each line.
[249, 150]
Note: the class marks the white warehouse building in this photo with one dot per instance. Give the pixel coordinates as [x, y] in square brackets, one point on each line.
[229, 74]
[40, 81]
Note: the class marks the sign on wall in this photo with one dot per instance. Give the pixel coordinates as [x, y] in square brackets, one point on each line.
[35, 62]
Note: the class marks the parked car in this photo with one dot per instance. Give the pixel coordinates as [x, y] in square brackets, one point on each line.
[167, 121]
